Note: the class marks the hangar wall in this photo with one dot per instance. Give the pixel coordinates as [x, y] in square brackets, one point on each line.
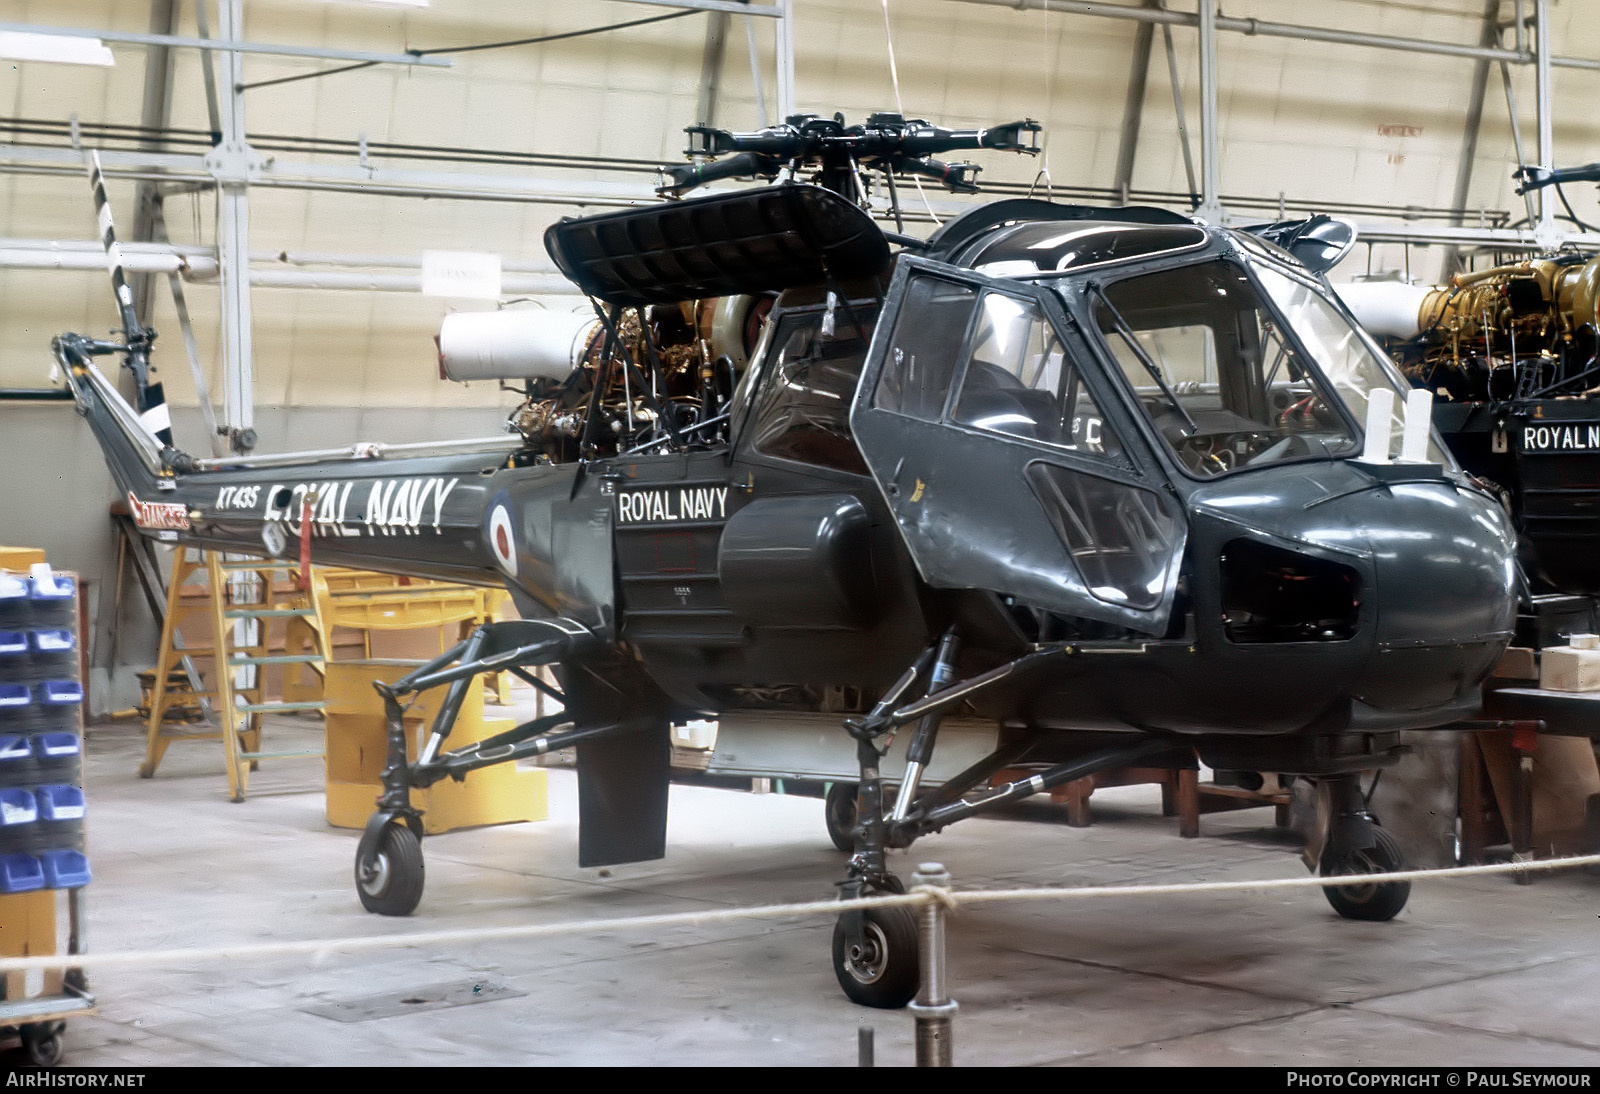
[1312, 121]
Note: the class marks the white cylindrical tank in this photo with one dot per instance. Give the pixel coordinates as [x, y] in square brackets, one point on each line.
[514, 344]
[1387, 309]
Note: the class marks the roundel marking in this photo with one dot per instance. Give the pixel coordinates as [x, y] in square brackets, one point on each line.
[502, 541]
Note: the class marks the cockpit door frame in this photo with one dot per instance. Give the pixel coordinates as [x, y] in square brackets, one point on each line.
[1033, 521]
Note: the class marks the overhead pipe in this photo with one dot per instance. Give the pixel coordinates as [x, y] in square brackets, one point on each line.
[1266, 29]
[197, 257]
[20, 258]
[548, 285]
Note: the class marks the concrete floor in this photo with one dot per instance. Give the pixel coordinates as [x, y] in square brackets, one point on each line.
[1472, 972]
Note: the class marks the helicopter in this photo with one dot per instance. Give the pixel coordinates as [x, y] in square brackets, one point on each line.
[1114, 481]
[1513, 352]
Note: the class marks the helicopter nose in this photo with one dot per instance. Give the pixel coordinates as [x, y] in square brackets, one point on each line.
[1444, 561]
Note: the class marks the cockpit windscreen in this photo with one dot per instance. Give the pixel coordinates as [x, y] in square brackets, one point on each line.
[1212, 368]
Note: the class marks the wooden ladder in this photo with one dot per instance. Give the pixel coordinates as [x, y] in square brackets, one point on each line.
[242, 599]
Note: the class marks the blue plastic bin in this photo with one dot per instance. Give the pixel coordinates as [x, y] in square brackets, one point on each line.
[60, 692]
[59, 803]
[50, 641]
[14, 749]
[13, 642]
[65, 869]
[55, 746]
[18, 807]
[21, 873]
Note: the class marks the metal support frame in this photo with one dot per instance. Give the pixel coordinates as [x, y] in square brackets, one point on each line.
[1180, 114]
[726, 7]
[785, 57]
[231, 163]
[705, 111]
[1133, 105]
[1262, 28]
[755, 73]
[1210, 208]
[1547, 232]
[233, 166]
[154, 114]
[230, 43]
[1469, 137]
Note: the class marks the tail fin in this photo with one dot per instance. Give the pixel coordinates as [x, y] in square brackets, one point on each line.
[150, 398]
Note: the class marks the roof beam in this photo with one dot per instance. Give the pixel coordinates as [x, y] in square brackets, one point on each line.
[229, 45]
[729, 7]
[1133, 107]
[1264, 29]
[1489, 36]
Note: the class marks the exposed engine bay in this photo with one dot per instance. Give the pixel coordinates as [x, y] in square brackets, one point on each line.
[1512, 355]
[693, 351]
[1522, 331]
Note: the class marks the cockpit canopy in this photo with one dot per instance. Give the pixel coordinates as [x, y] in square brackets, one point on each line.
[1025, 250]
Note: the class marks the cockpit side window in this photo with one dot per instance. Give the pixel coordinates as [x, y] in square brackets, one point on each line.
[925, 348]
[1215, 372]
[1019, 381]
[802, 412]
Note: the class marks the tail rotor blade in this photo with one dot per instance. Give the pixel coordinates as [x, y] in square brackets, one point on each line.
[151, 399]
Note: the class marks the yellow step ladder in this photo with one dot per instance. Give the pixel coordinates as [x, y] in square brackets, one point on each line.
[241, 601]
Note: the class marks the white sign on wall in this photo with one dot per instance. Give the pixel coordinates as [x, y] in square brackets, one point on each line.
[461, 274]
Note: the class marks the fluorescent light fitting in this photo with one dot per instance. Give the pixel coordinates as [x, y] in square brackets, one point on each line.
[20, 46]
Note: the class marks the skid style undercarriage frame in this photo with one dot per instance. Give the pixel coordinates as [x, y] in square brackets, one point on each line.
[871, 957]
[869, 949]
[877, 829]
[513, 646]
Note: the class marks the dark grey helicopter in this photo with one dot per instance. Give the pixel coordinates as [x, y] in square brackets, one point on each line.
[1095, 475]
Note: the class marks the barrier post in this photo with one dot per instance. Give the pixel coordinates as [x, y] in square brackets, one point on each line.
[934, 1009]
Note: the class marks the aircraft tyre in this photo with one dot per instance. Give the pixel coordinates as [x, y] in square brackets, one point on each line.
[389, 874]
[839, 814]
[883, 969]
[1376, 901]
[42, 1042]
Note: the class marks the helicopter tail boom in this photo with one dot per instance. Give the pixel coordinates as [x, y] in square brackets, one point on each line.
[415, 509]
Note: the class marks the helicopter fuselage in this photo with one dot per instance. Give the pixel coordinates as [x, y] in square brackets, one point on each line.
[1239, 577]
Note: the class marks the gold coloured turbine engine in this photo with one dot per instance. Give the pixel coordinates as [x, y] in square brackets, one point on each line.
[1521, 331]
[688, 357]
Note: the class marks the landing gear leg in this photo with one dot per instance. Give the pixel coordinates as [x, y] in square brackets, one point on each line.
[388, 870]
[1356, 844]
[388, 867]
[839, 813]
[875, 956]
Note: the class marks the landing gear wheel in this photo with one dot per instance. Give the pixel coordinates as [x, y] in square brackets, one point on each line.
[1375, 901]
[43, 1043]
[882, 970]
[839, 814]
[389, 875]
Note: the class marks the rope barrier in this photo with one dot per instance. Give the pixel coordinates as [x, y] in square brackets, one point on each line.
[949, 898]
